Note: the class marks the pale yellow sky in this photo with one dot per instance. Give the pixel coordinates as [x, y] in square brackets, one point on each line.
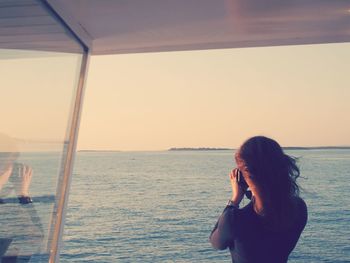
[298, 95]
[36, 96]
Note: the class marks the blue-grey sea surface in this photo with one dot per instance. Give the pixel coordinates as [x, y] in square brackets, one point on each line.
[161, 206]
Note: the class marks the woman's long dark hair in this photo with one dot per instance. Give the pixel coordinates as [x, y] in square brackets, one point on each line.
[275, 174]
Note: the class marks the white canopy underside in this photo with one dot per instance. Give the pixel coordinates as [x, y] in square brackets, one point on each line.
[129, 26]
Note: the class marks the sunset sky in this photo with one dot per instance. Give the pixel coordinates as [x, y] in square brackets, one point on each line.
[298, 95]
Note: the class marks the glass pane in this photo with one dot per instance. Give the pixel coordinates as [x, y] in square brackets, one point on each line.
[40, 68]
[40, 65]
[37, 93]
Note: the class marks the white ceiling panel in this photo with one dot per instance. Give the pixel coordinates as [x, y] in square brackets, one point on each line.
[28, 24]
[129, 26]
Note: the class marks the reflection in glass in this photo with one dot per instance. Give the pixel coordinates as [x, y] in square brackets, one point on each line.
[39, 88]
[40, 63]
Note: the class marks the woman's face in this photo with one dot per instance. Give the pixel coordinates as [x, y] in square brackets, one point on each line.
[240, 162]
[241, 165]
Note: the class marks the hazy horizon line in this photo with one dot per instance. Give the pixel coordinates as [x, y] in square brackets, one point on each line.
[212, 148]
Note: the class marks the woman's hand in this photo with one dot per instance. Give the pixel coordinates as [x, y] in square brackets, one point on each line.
[237, 191]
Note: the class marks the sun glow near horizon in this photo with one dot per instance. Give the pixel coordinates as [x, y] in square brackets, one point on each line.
[217, 98]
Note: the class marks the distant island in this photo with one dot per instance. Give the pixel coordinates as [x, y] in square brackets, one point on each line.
[318, 148]
[200, 149]
[98, 151]
[229, 149]
[285, 148]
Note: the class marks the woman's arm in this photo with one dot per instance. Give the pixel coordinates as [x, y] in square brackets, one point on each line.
[4, 176]
[222, 236]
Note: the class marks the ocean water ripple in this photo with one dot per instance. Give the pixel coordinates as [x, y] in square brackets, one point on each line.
[161, 206]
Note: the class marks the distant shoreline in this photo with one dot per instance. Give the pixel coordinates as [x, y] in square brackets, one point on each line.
[200, 149]
[318, 148]
[284, 148]
[105, 151]
[223, 149]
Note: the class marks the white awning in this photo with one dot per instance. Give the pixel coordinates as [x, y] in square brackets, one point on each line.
[129, 26]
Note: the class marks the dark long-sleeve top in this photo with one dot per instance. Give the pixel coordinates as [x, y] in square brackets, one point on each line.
[245, 233]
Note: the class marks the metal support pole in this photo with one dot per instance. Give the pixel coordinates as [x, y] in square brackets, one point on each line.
[68, 164]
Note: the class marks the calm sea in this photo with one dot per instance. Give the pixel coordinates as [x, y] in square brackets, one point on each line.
[161, 206]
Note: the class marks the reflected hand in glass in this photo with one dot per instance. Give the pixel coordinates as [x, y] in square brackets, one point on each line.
[21, 178]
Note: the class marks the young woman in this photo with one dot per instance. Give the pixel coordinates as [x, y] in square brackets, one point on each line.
[268, 228]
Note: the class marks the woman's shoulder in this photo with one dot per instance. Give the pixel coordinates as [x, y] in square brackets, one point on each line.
[301, 204]
[301, 211]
